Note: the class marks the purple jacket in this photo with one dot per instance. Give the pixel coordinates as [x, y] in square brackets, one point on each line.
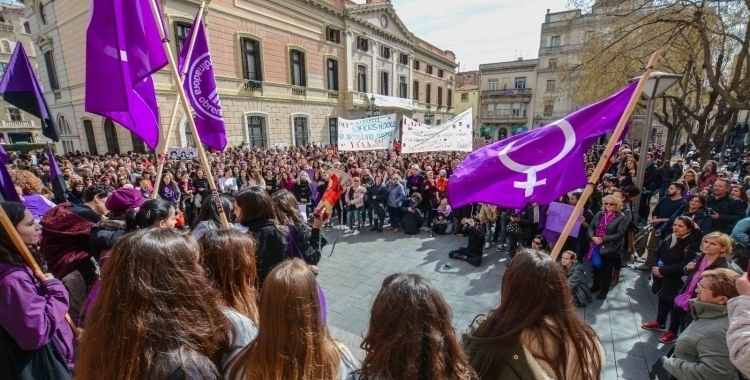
[33, 314]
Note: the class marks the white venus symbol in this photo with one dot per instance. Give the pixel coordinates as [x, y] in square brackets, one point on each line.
[532, 170]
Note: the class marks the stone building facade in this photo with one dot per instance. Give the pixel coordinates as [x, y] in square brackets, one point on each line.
[506, 100]
[286, 69]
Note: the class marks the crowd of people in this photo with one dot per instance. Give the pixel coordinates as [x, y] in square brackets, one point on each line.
[144, 280]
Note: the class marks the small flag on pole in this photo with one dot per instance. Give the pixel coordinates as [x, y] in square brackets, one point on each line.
[539, 165]
[21, 88]
[123, 49]
[7, 188]
[56, 177]
[202, 91]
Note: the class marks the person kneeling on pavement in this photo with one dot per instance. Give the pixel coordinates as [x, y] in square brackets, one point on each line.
[472, 254]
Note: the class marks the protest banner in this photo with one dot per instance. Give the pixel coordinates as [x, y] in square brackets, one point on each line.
[367, 134]
[558, 214]
[391, 101]
[177, 153]
[454, 135]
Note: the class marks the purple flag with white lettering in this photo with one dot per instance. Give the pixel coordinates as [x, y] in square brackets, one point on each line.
[200, 86]
[123, 49]
[539, 165]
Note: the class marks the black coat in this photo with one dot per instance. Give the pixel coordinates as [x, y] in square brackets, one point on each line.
[613, 241]
[730, 210]
[527, 221]
[303, 190]
[651, 178]
[273, 245]
[674, 258]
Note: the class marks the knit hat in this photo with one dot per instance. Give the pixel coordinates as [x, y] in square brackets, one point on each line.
[123, 199]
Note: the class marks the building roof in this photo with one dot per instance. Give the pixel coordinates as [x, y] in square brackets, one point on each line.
[467, 87]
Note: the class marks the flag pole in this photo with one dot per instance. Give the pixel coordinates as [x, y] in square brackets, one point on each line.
[605, 156]
[18, 243]
[175, 107]
[186, 109]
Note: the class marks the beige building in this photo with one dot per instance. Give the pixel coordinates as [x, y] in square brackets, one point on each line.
[506, 98]
[286, 69]
[467, 95]
[16, 125]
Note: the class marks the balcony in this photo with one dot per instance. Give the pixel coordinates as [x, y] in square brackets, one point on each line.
[22, 124]
[299, 91]
[512, 93]
[254, 86]
[333, 95]
[505, 117]
[560, 49]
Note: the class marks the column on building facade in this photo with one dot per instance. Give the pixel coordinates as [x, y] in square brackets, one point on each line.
[349, 61]
[374, 68]
[394, 75]
[410, 79]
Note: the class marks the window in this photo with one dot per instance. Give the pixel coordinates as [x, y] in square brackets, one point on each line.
[6, 47]
[110, 136]
[333, 35]
[402, 89]
[297, 59]
[440, 73]
[251, 64]
[403, 59]
[385, 52]
[450, 98]
[552, 64]
[520, 83]
[90, 139]
[363, 44]
[550, 85]
[549, 106]
[416, 65]
[67, 146]
[181, 31]
[440, 97]
[492, 84]
[26, 27]
[361, 78]
[333, 130]
[301, 137]
[429, 93]
[42, 14]
[554, 41]
[384, 83]
[333, 74]
[49, 61]
[256, 131]
[189, 139]
[138, 145]
[438, 121]
[62, 124]
[3, 67]
[14, 114]
[464, 97]
[415, 90]
[429, 69]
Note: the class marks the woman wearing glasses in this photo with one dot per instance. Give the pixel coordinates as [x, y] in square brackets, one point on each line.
[607, 231]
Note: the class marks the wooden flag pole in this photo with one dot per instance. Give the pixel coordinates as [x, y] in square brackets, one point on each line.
[186, 108]
[18, 243]
[160, 159]
[605, 156]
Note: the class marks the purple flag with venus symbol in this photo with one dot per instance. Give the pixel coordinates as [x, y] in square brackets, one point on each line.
[539, 165]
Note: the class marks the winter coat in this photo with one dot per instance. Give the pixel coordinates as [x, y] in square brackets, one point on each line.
[701, 217]
[396, 194]
[674, 258]
[104, 235]
[677, 169]
[272, 185]
[701, 351]
[577, 280]
[488, 214]
[741, 231]
[704, 182]
[730, 210]
[667, 174]
[412, 220]
[414, 181]
[358, 197]
[430, 193]
[651, 178]
[273, 245]
[32, 313]
[526, 221]
[303, 190]
[738, 334]
[613, 242]
[379, 192]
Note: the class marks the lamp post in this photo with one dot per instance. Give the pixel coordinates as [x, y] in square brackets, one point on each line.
[429, 117]
[658, 83]
[372, 110]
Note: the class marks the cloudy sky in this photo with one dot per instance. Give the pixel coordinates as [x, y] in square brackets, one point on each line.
[478, 31]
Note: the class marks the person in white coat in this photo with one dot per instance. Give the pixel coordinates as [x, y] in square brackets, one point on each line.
[738, 334]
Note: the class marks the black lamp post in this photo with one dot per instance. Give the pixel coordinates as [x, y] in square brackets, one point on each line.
[429, 117]
[372, 110]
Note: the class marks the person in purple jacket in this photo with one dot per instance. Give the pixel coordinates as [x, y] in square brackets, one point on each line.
[32, 307]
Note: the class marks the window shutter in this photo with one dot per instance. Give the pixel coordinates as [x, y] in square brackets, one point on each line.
[258, 67]
[303, 76]
[291, 67]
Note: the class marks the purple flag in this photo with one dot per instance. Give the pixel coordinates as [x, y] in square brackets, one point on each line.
[200, 86]
[539, 165]
[21, 88]
[7, 188]
[123, 49]
[56, 178]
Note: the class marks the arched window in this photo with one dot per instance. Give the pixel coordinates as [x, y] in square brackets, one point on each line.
[6, 46]
[138, 145]
[42, 14]
[89, 129]
[186, 135]
[62, 124]
[110, 135]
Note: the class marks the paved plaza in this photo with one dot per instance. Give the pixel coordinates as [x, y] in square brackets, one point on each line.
[352, 276]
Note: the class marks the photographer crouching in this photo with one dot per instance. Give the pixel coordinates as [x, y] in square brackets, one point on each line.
[472, 254]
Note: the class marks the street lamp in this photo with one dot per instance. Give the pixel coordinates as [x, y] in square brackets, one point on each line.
[429, 117]
[372, 110]
[658, 83]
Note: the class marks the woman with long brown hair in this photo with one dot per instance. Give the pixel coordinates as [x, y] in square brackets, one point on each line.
[394, 350]
[293, 341]
[535, 333]
[157, 317]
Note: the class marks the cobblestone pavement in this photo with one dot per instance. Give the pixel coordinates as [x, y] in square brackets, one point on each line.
[352, 276]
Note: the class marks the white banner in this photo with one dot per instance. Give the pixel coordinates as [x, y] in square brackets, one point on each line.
[177, 153]
[367, 134]
[454, 135]
[391, 101]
